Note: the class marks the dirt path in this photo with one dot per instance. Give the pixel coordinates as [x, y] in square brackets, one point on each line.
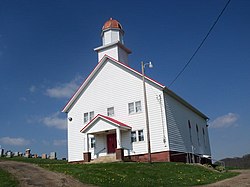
[242, 180]
[31, 175]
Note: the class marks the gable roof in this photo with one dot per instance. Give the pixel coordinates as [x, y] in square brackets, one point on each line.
[155, 83]
[105, 118]
[93, 73]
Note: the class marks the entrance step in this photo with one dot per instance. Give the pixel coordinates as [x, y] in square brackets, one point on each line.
[105, 159]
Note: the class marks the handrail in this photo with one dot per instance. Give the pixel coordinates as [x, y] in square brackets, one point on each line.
[100, 151]
[129, 149]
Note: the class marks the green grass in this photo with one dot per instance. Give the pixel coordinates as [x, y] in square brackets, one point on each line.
[140, 174]
[6, 179]
[134, 174]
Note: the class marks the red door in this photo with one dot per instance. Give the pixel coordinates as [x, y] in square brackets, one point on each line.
[111, 143]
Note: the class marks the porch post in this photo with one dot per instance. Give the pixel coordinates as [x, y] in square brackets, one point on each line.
[86, 142]
[118, 138]
[119, 150]
[86, 154]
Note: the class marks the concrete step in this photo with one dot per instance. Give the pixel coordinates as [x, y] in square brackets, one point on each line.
[105, 159]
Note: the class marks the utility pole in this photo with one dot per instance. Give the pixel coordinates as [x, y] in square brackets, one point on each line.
[146, 107]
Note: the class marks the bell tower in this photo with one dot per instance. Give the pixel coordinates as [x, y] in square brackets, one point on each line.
[112, 42]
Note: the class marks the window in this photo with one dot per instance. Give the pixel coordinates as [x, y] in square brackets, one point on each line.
[138, 106]
[137, 136]
[131, 108]
[133, 136]
[134, 107]
[86, 117]
[197, 130]
[140, 135]
[92, 142]
[91, 115]
[110, 111]
[204, 138]
[190, 133]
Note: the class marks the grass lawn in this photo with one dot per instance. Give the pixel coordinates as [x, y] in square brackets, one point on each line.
[141, 174]
[7, 179]
[134, 174]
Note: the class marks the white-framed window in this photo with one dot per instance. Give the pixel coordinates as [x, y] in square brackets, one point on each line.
[140, 135]
[134, 107]
[86, 117]
[92, 142]
[131, 108]
[138, 106]
[133, 136]
[110, 111]
[91, 115]
[137, 136]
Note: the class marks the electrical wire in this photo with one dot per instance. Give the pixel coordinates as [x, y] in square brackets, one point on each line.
[198, 48]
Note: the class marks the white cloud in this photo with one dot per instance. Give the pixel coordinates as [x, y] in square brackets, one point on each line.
[64, 90]
[24, 99]
[14, 141]
[59, 142]
[32, 89]
[225, 121]
[55, 121]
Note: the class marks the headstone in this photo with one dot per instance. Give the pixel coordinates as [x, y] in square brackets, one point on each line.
[27, 153]
[9, 154]
[52, 156]
[44, 156]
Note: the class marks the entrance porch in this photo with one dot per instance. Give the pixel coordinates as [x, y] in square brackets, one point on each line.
[105, 136]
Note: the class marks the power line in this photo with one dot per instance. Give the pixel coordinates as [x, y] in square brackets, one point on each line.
[198, 48]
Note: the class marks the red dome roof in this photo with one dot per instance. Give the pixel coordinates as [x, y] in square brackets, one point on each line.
[112, 24]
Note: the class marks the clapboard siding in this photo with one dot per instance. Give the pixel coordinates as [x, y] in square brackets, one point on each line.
[178, 129]
[115, 86]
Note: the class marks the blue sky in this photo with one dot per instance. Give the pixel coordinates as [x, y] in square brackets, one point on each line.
[46, 51]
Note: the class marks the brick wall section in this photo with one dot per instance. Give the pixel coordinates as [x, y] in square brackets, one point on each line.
[119, 154]
[87, 157]
[155, 157]
[166, 156]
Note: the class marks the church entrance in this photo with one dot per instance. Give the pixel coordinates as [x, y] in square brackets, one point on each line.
[111, 143]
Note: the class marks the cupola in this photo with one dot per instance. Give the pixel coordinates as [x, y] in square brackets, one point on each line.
[112, 42]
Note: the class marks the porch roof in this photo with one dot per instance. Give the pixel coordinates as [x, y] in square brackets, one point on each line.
[112, 121]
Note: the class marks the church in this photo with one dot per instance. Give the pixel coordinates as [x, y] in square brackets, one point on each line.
[119, 112]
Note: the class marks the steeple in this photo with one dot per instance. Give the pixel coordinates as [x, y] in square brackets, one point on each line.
[112, 42]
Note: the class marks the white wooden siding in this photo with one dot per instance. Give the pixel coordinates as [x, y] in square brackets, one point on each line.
[115, 86]
[111, 51]
[178, 129]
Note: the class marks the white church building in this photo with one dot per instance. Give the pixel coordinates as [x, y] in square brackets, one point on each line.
[106, 115]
